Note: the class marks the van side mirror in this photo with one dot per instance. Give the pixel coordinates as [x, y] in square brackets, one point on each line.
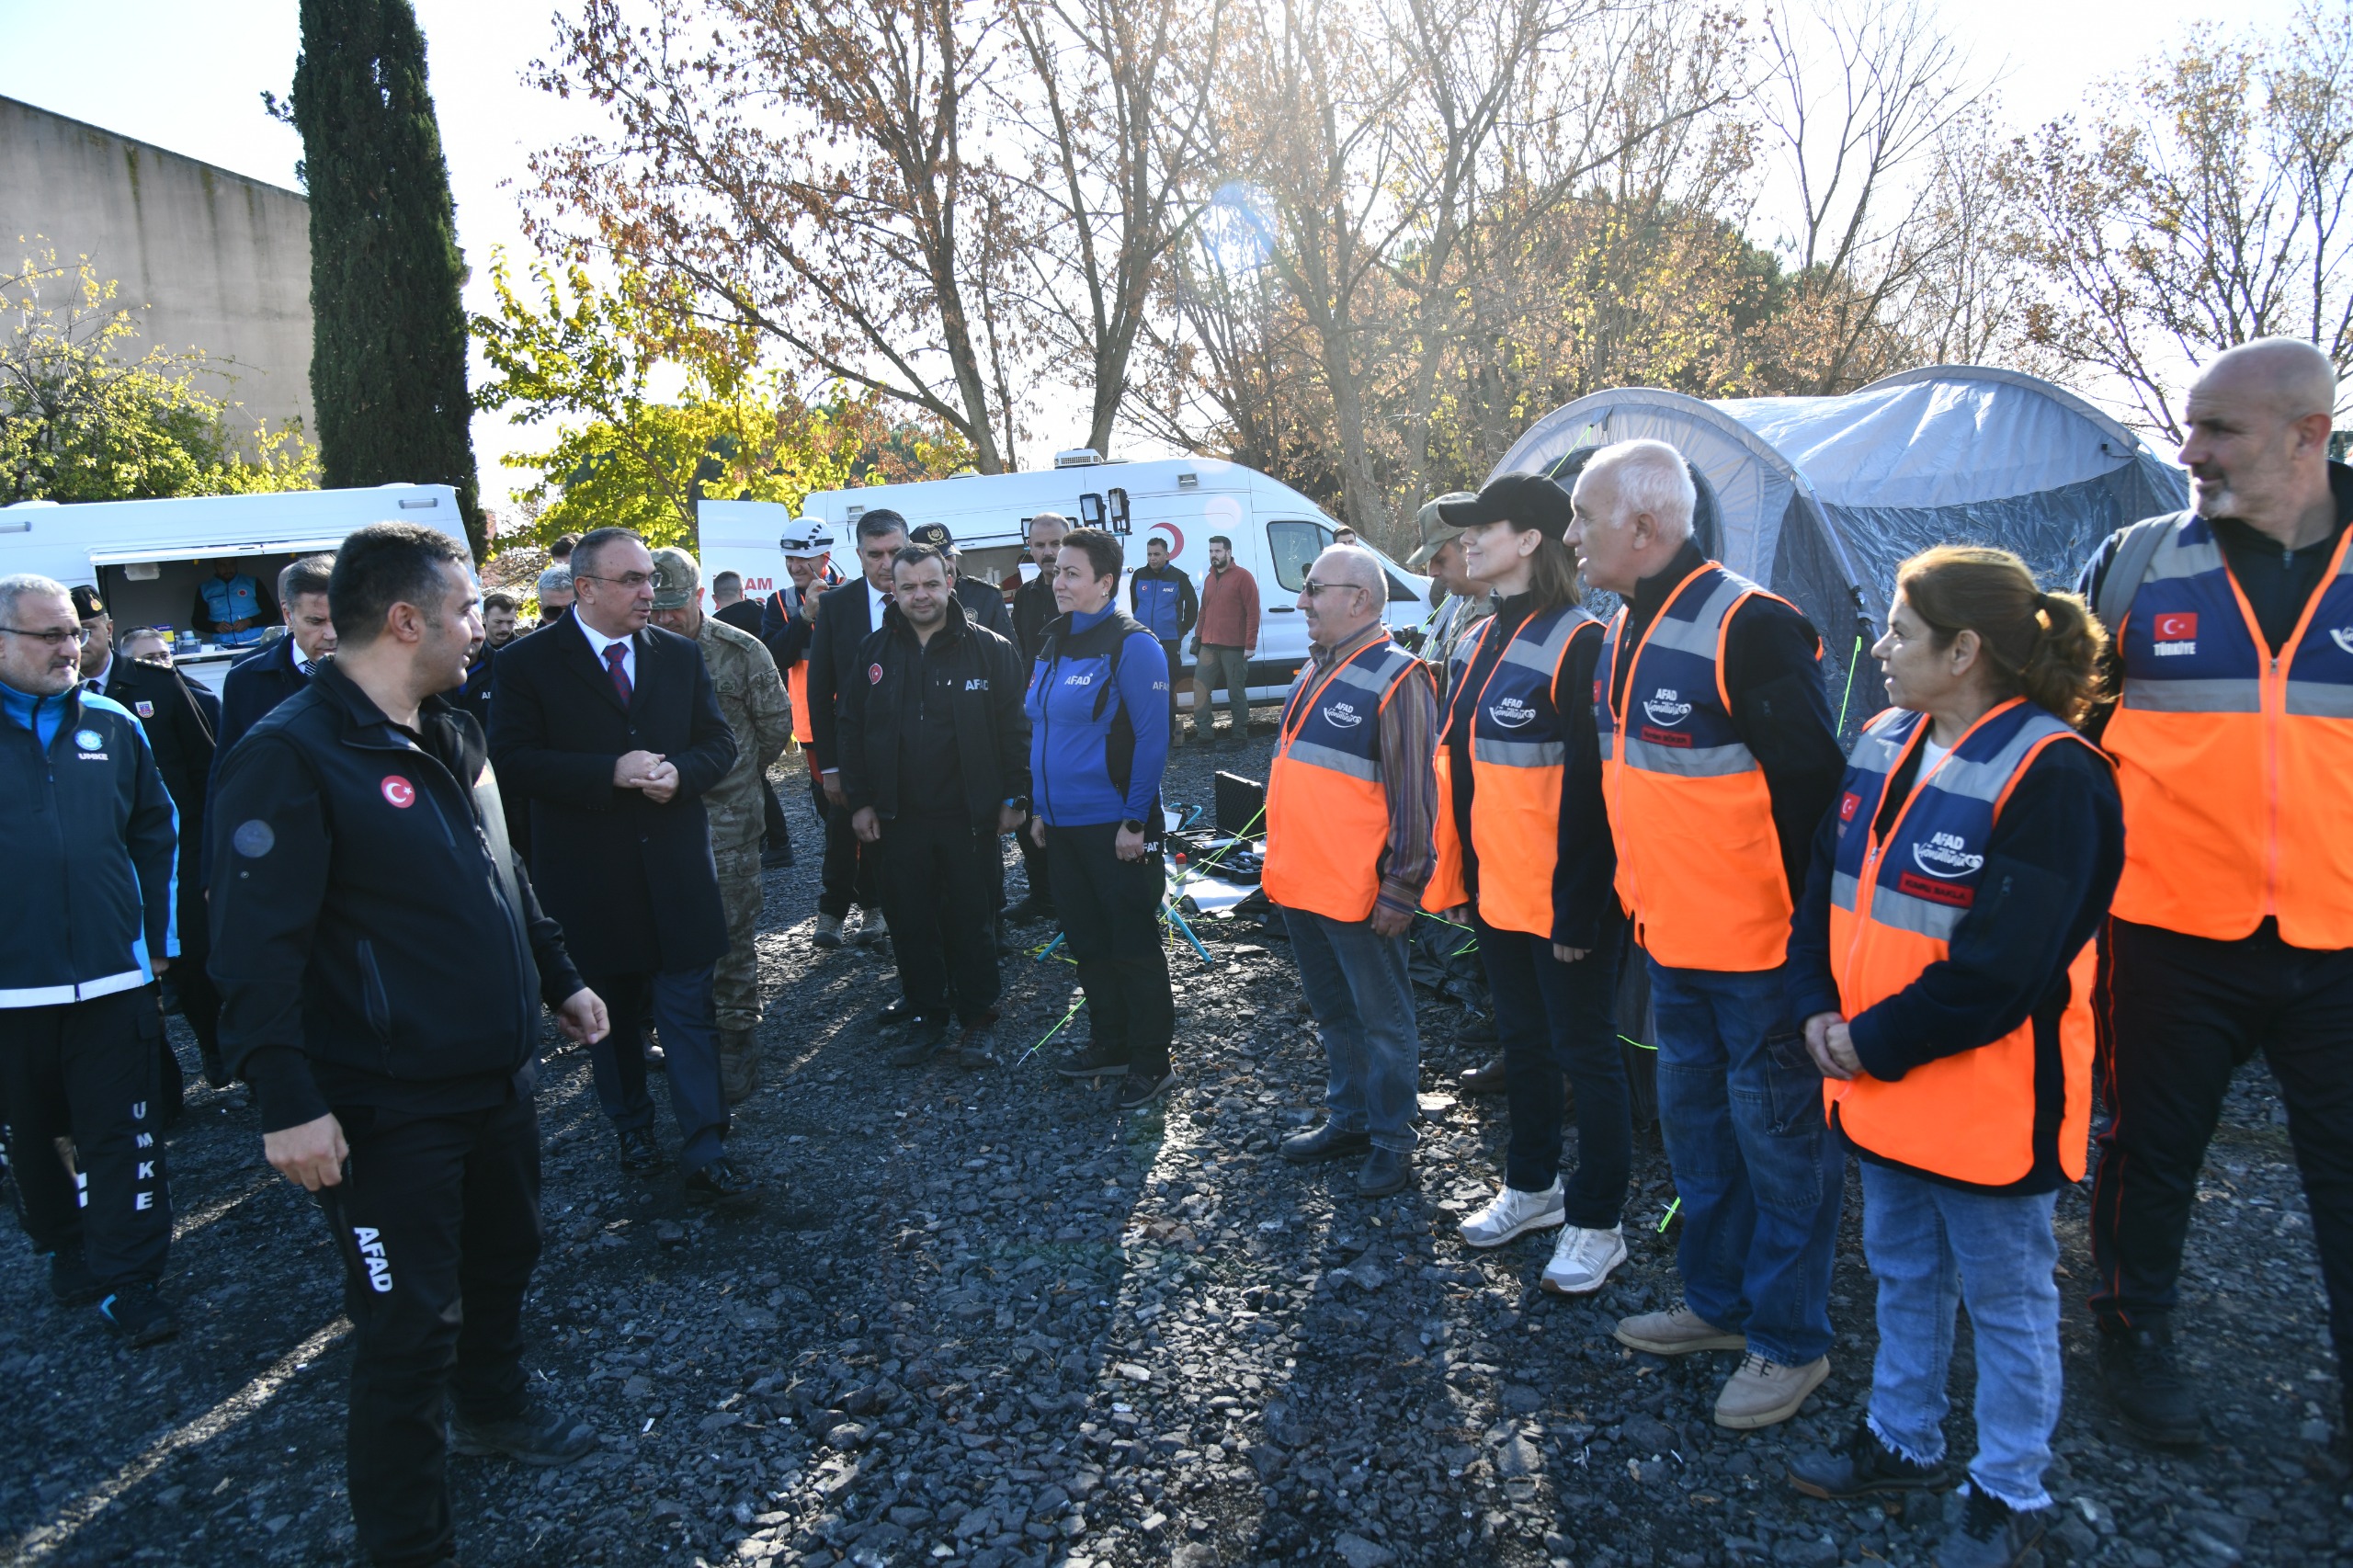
[1090, 510]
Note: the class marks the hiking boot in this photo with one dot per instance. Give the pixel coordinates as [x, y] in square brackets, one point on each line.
[924, 1041]
[1384, 1171]
[739, 1065]
[1511, 1213]
[1764, 1392]
[1094, 1060]
[719, 1182]
[1484, 1079]
[1582, 1258]
[976, 1048]
[1992, 1534]
[1140, 1089]
[1865, 1465]
[829, 932]
[139, 1314]
[71, 1283]
[533, 1435]
[2153, 1401]
[1329, 1142]
[872, 929]
[1678, 1332]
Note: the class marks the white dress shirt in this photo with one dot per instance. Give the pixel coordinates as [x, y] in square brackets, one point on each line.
[876, 599]
[97, 682]
[598, 643]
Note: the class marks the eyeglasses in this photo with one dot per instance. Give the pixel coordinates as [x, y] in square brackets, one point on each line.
[630, 580]
[53, 639]
[1314, 588]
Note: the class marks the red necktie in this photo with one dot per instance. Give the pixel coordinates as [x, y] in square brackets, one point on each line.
[614, 654]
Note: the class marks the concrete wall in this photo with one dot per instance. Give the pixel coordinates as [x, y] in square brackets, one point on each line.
[221, 262]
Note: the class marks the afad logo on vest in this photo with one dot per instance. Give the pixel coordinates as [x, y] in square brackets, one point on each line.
[1344, 716]
[1512, 714]
[1943, 855]
[1666, 708]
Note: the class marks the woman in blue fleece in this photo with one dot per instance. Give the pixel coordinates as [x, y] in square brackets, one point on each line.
[1098, 738]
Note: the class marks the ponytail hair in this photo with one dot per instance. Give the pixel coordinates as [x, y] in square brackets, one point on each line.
[2044, 647]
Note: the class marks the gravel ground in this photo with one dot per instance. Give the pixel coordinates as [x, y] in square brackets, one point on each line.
[988, 1320]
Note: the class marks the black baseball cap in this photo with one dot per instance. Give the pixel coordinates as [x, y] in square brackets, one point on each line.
[933, 534]
[1529, 499]
[87, 605]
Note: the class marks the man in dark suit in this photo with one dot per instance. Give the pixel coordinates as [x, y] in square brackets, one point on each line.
[611, 729]
[259, 682]
[847, 617]
[181, 738]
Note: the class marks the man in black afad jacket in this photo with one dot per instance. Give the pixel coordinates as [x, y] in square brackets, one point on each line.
[381, 959]
[87, 841]
[935, 766]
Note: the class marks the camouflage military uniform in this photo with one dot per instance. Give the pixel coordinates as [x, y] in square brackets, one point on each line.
[751, 695]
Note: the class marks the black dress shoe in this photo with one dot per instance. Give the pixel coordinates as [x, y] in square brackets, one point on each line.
[1487, 1079]
[532, 1435]
[71, 1283]
[897, 1013]
[1329, 1142]
[640, 1154]
[1030, 908]
[216, 1072]
[1384, 1171]
[719, 1182]
[1864, 1465]
[2143, 1380]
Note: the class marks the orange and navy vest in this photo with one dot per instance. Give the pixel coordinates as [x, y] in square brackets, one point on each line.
[1896, 900]
[1518, 742]
[1698, 858]
[1327, 810]
[2232, 762]
[796, 685]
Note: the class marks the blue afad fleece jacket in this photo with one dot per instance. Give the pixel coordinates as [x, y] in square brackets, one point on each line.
[1098, 723]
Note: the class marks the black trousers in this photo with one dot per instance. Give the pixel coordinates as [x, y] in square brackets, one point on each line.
[1033, 867]
[2176, 1015]
[848, 878]
[1111, 909]
[941, 882]
[199, 998]
[437, 1221]
[90, 1072]
[1555, 1018]
[775, 833]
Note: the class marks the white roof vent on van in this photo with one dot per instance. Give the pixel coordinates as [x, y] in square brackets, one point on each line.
[1078, 457]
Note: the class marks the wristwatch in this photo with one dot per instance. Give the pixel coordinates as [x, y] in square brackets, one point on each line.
[1131, 826]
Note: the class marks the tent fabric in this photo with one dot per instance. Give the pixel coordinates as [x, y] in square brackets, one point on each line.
[1822, 498]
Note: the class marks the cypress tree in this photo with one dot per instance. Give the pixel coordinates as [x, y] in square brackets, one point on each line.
[388, 335]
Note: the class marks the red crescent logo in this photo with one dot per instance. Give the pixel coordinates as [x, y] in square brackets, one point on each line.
[874, 675]
[399, 791]
[2179, 627]
[1175, 535]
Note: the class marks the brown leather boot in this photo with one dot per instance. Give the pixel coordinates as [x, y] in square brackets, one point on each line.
[739, 1065]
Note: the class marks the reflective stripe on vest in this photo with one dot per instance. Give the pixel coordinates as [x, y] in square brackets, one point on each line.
[1518, 747]
[2232, 761]
[1896, 903]
[1698, 858]
[796, 685]
[1327, 810]
[1448, 887]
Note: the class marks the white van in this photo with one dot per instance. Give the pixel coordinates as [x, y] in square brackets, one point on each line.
[147, 558]
[1277, 533]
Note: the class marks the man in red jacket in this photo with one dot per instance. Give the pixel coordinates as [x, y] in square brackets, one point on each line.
[1225, 636]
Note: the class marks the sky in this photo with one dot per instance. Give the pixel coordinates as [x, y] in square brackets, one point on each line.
[189, 76]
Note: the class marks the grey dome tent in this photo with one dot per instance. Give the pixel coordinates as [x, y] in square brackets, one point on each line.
[1821, 498]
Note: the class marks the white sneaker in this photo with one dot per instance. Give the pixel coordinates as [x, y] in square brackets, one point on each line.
[1514, 1213]
[1582, 1259]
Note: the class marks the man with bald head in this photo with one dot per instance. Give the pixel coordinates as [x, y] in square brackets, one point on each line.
[1719, 759]
[2232, 665]
[1351, 813]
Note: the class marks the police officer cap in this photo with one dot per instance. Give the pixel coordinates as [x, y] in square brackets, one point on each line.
[933, 534]
[806, 540]
[676, 578]
[87, 605]
[1525, 500]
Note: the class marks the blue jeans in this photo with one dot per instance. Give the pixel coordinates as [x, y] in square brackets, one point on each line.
[1555, 1018]
[1357, 987]
[1932, 1248]
[681, 1005]
[1759, 1174]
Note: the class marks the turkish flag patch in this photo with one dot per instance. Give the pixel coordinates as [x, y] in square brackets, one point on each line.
[874, 675]
[2180, 626]
[399, 791]
[1848, 805]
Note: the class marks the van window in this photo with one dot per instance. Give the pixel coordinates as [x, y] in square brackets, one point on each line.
[1294, 547]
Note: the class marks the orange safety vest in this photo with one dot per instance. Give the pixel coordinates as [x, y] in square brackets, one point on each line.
[1327, 809]
[1894, 903]
[2232, 762]
[796, 685]
[1698, 858]
[1519, 750]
